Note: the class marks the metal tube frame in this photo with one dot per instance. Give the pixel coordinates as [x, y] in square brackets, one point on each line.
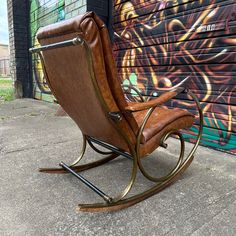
[71, 42]
[96, 149]
[86, 182]
[114, 149]
[119, 202]
[131, 87]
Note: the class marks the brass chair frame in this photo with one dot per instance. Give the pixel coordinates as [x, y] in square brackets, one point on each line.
[119, 202]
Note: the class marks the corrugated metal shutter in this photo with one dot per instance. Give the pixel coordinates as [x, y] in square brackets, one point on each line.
[192, 43]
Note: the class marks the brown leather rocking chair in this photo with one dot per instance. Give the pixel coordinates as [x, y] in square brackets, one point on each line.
[80, 70]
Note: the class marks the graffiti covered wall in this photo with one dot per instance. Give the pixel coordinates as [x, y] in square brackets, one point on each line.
[163, 44]
[45, 12]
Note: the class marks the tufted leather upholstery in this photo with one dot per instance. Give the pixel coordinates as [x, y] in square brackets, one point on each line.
[70, 81]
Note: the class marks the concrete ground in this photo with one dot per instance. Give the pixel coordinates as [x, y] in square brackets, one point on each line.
[202, 202]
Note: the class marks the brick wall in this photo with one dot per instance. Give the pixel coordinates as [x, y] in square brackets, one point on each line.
[19, 43]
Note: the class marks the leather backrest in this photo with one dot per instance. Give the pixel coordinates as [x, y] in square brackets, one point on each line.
[112, 75]
[70, 78]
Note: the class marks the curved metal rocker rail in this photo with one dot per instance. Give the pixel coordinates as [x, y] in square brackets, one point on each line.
[120, 202]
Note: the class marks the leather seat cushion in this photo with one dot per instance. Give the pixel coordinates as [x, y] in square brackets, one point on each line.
[160, 118]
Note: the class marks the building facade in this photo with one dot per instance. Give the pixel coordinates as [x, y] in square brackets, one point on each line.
[4, 60]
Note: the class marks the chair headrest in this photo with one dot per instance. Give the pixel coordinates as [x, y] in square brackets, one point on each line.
[68, 26]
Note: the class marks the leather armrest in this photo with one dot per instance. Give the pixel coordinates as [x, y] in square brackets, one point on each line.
[154, 102]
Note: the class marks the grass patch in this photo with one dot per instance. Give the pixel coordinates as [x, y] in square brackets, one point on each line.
[6, 89]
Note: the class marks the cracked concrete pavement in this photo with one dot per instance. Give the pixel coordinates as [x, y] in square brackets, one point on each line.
[201, 202]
